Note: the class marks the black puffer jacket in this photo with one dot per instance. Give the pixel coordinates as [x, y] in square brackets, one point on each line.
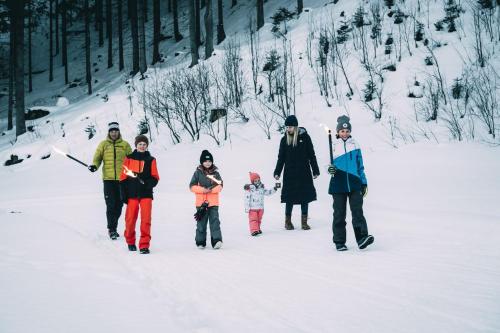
[144, 165]
[298, 161]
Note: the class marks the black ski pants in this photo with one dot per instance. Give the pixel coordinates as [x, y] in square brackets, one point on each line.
[113, 203]
[339, 215]
[211, 217]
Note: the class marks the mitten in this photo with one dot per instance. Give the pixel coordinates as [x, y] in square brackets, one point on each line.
[92, 168]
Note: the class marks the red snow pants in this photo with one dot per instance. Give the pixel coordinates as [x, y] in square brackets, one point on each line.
[134, 205]
[255, 219]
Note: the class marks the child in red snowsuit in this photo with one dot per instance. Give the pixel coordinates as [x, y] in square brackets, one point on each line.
[254, 202]
[138, 177]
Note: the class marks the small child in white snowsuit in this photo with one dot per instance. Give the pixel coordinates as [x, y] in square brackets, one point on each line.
[254, 202]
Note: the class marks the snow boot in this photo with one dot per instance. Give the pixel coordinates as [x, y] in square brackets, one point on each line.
[365, 241]
[113, 235]
[305, 226]
[341, 247]
[255, 233]
[144, 251]
[132, 247]
[288, 223]
[218, 245]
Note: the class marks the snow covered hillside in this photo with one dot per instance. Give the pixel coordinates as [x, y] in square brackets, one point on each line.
[432, 204]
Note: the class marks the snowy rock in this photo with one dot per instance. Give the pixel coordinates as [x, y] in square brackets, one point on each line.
[62, 101]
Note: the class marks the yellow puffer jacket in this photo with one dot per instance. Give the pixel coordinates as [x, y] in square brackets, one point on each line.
[111, 154]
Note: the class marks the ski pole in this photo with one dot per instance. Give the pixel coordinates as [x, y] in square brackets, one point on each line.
[69, 156]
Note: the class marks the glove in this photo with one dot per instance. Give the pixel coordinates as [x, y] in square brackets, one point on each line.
[201, 211]
[92, 168]
[364, 190]
[332, 169]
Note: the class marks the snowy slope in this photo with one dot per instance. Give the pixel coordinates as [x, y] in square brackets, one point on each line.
[432, 207]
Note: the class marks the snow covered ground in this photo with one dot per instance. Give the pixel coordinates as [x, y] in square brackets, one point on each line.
[433, 207]
[433, 267]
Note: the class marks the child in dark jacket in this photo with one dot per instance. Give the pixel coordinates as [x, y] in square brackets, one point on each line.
[254, 202]
[138, 178]
[206, 184]
[348, 181]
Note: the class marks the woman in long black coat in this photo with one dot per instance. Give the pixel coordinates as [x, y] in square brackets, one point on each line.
[297, 155]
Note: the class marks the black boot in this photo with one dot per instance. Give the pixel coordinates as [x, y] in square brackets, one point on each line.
[305, 226]
[132, 247]
[288, 223]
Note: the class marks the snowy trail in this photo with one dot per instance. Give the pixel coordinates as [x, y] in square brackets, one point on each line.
[434, 264]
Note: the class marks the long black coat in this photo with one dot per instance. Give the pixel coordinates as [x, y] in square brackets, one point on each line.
[298, 161]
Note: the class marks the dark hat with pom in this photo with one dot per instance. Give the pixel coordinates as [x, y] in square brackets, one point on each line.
[343, 123]
[206, 156]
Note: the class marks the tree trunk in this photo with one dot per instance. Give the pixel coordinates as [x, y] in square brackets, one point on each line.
[192, 34]
[88, 76]
[209, 30]
[300, 6]
[18, 18]
[98, 16]
[109, 31]
[260, 14]
[12, 65]
[30, 31]
[221, 35]
[198, 21]
[57, 26]
[142, 37]
[156, 32]
[120, 36]
[233, 3]
[169, 6]
[177, 34]
[145, 5]
[51, 42]
[135, 35]
[64, 41]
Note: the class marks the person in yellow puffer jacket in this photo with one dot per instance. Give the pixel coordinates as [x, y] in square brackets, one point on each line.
[111, 153]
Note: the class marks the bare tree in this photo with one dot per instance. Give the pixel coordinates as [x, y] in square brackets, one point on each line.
[177, 34]
[12, 69]
[485, 98]
[221, 34]
[209, 30]
[300, 6]
[109, 32]
[99, 19]
[255, 53]
[233, 73]
[64, 42]
[134, 30]
[17, 17]
[192, 34]
[143, 66]
[263, 116]
[156, 32]
[88, 76]
[121, 63]
[478, 40]
[30, 31]
[51, 59]
[260, 14]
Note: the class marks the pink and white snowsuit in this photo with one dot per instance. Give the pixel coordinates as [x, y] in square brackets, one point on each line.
[254, 203]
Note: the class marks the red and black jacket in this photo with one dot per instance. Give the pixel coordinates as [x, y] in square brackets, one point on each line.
[139, 175]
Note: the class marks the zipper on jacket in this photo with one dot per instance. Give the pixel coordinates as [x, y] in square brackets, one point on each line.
[114, 155]
[347, 170]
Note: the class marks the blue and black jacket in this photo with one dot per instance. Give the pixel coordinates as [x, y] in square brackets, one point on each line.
[350, 175]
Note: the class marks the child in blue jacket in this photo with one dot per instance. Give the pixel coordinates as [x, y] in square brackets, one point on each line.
[348, 181]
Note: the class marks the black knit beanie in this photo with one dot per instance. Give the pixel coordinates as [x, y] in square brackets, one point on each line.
[206, 156]
[291, 121]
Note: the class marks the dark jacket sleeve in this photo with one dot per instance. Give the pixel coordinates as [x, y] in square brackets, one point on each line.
[194, 179]
[281, 159]
[312, 157]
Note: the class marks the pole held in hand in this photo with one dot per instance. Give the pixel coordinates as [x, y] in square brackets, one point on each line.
[69, 156]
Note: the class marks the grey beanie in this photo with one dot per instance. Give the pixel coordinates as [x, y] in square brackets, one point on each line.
[343, 123]
[113, 126]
